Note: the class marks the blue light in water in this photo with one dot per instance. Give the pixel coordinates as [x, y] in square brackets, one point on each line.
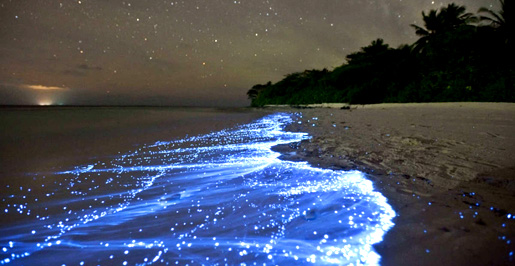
[223, 197]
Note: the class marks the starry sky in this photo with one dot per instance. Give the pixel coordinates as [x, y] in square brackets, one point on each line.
[185, 53]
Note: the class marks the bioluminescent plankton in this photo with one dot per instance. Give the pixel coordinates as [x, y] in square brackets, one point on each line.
[221, 198]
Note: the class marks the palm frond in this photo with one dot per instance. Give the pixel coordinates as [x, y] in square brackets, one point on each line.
[419, 30]
[497, 18]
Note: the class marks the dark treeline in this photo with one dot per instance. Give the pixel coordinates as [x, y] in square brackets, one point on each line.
[458, 57]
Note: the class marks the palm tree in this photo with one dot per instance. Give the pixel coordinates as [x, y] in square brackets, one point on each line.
[431, 23]
[432, 26]
[438, 22]
[454, 16]
[502, 20]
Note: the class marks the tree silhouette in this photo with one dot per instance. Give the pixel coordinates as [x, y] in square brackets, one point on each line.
[376, 48]
[455, 59]
[439, 22]
[454, 16]
[256, 89]
[502, 20]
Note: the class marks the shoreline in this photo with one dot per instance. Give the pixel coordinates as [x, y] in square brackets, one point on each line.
[446, 168]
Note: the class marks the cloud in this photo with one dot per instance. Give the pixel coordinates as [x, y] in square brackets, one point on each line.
[41, 87]
[25, 94]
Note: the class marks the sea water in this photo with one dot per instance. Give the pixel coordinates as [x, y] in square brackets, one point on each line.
[222, 198]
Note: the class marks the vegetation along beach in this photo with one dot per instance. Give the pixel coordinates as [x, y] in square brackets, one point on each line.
[459, 56]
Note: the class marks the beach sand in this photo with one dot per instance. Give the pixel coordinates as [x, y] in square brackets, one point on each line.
[448, 170]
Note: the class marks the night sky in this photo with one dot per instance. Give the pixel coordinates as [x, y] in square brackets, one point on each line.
[195, 52]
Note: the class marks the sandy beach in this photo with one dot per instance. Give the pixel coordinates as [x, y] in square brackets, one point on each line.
[448, 169]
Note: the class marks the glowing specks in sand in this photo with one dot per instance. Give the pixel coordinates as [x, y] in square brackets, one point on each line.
[220, 198]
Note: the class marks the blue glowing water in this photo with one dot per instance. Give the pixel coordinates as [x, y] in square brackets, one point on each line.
[220, 198]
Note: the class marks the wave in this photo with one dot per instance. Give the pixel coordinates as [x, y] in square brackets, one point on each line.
[219, 198]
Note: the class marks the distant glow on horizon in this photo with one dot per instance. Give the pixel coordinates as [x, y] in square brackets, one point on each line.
[219, 198]
[44, 103]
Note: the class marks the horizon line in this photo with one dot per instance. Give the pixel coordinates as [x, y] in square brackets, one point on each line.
[110, 105]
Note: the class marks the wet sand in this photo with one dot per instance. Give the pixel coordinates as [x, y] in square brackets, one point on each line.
[448, 169]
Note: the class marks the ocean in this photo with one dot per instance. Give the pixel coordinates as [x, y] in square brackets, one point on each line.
[175, 186]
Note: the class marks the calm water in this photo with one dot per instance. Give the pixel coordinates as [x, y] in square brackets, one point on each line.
[214, 199]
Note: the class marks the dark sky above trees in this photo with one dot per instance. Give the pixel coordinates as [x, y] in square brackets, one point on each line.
[191, 52]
